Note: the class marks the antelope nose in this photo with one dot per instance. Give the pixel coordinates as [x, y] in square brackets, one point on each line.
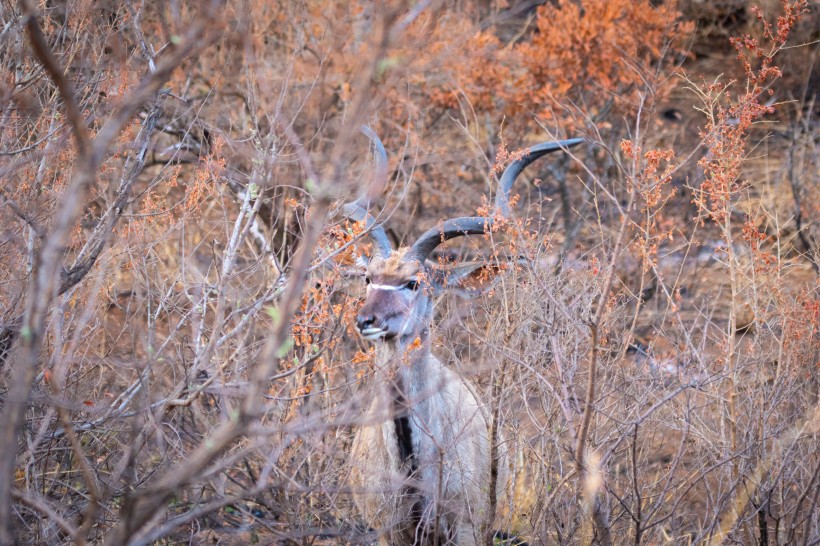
[363, 322]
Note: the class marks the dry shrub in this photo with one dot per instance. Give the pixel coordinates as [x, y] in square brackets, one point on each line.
[648, 346]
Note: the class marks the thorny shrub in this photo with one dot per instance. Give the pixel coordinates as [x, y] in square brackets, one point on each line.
[654, 378]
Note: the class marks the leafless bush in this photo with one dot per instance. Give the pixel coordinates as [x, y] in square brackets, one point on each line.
[177, 354]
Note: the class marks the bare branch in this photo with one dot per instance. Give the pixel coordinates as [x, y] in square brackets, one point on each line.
[46, 56]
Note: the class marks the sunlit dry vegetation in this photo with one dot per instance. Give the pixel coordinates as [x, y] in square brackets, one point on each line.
[179, 358]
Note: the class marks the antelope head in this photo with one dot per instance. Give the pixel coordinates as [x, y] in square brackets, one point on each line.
[400, 284]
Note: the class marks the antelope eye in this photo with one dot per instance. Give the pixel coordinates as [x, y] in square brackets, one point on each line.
[411, 285]
[367, 280]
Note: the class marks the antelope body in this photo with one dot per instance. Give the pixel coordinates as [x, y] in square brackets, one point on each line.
[422, 457]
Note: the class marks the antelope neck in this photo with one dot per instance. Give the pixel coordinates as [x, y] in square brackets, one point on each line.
[398, 352]
[392, 355]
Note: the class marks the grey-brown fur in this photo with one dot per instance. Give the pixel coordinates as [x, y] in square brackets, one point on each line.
[443, 491]
[422, 456]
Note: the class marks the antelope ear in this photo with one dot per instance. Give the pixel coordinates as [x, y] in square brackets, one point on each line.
[356, 269]
[351, 275]
[466, 279]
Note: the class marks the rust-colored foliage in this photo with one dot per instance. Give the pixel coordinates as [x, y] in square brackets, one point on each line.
[732, 113]
[201, 378]
[581, 48]
[652, 186]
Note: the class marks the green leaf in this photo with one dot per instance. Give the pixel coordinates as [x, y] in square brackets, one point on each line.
[286, 346]
[273, 313]
[387, 64]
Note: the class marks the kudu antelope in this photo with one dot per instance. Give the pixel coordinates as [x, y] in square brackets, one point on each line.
[422, 457]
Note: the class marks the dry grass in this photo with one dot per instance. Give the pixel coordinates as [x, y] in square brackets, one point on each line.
[655, 378]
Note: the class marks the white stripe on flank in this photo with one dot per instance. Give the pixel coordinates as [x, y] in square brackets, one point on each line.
[375, 286]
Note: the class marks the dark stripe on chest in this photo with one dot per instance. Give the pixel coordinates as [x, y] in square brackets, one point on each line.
[404, 435]
[405, 440]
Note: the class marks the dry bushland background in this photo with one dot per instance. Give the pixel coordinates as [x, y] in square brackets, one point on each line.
[177, 289]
